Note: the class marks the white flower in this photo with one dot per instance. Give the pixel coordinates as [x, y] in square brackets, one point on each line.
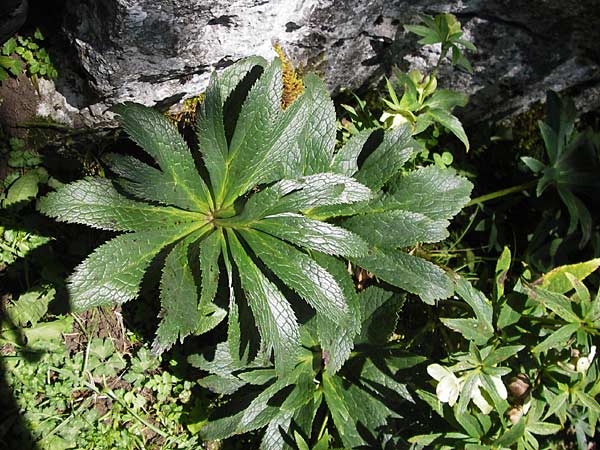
[584, 362]
[448, 386]
[393, 120]
[480, 400]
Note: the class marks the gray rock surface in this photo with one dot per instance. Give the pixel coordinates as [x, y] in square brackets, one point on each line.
[158, 52]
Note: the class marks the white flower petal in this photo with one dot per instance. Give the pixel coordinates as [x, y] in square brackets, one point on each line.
[500, 387]
[480, 401]
[438, 372]
[583, 364]
[448, 389]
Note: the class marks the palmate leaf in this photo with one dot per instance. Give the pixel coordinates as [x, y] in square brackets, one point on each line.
[278, 212]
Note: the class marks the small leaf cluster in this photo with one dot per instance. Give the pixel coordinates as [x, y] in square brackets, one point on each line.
[422, 105]
[20, 186]
[93, 398]
[258, 222]
[444, 29]
[554, 379]
[360, 399]
[25, 174]
[26, 50]
[572, 162]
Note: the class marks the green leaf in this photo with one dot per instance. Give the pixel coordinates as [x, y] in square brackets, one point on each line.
[30, 307]
[48, 336]
[24, 189]
[556, 339]
[262, 411]
[477, 301]
[145, 182]
[210, 251]
[557, 281]
[449, 122]
[210, 131]
[379, 310]
[113, 273]
[301, 273]
[557, 303]
[543, 428]
[434, 192]
[408, 272]
[274, 316]
[397, 228]
[472, 329]
[446, 100]
[337, 338]
[388, 158]
[500, 354]
[316, 141]
[501, 272]
[533, 164]
[345, 161]
[343, 416]
[273, 439]
[360, 412]
[420, 30]
[314, 235]
[469, 382]
[511, 436]
[178, 298]
[305, 193]
[233, 75]
[247, 160]
[588, 401]
[95, 202]
[9, 47]
[161, 140]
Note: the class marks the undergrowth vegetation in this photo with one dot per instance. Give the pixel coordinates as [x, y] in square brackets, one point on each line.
[298, 282]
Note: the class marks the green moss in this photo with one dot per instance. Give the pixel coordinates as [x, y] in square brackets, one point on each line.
[187, 115]
[526, 133]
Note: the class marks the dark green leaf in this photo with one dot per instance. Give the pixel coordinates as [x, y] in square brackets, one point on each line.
[388, 158]
[557, 338]
[212, 143]
[557, 303]
[337, 338]
[449, 122]
[305, 193]
[345, 161]
[317, 139]
[301, 273]
[434, 192]
[408, 272]
[379, 313]
[397, 228]
[161, 140]
[247, 160]
[178, 298]
[313, 234]
[274, 316]
[95, 202]
[113, 273]
[512, 435]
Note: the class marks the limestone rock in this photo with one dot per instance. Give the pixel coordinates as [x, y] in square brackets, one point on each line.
[159, 52]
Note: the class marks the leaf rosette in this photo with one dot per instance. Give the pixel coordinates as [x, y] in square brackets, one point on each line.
[265, 211]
